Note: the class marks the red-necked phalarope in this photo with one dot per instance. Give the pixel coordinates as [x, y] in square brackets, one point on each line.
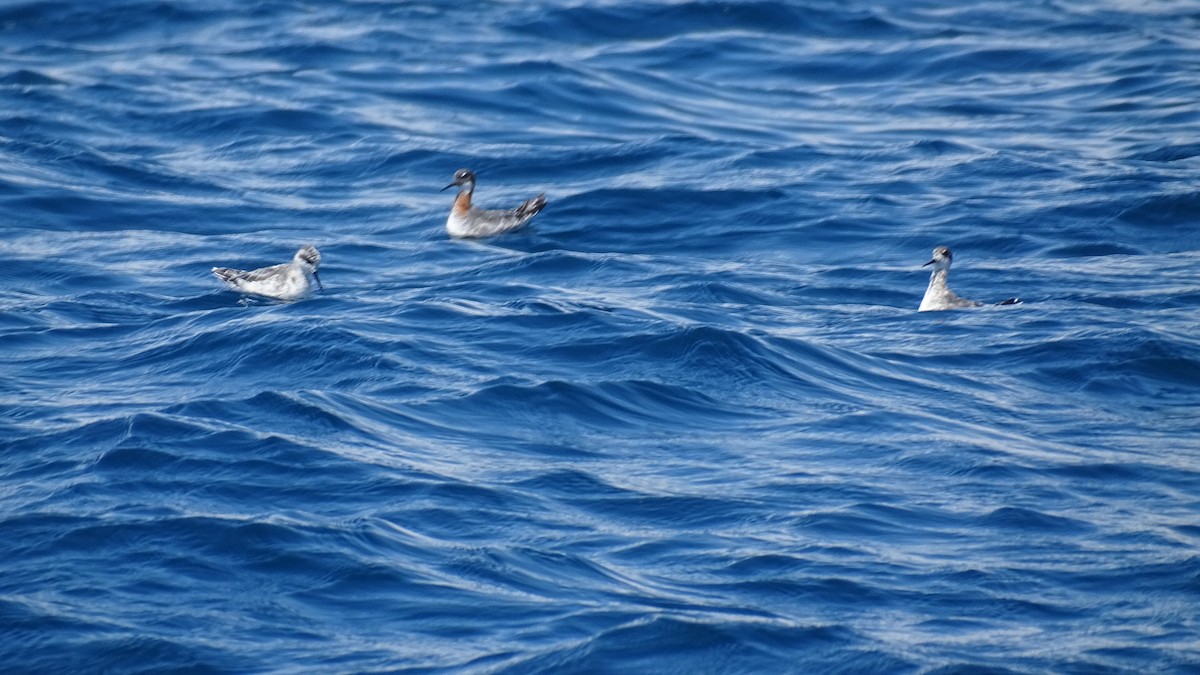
[938, 295]
[289, 281]
[470, 221]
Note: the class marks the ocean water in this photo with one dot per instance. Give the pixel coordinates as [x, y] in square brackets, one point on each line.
[687, 421]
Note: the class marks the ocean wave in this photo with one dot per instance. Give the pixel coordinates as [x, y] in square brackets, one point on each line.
[687, 419]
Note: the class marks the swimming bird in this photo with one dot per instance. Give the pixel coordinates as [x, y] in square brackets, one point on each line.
[938, 295]
[289, 281]
[470, 221]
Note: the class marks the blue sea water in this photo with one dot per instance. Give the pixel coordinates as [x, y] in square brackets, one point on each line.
[687, 421]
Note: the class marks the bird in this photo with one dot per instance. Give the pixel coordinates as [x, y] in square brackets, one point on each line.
[466, 220]
[288, 281]
[938, 295]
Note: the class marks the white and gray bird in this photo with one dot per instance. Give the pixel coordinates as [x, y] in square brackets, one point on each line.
[938, 295]
[289, 281]
[466, 220]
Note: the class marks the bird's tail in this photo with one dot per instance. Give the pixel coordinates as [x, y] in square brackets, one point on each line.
[531, 207]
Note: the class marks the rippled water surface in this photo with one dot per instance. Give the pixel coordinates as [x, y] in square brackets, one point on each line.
[687, 421]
